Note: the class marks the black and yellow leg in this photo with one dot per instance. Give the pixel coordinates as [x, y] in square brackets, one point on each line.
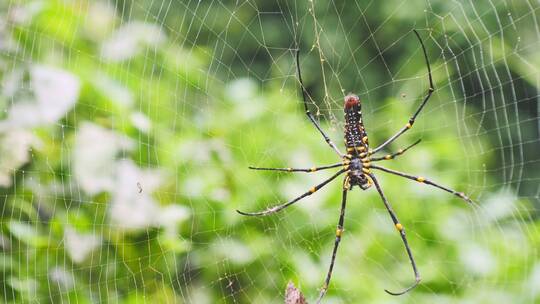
[308, 113]
[287, 204]
[424, 180]
[393, 155]
[339, 233]
[411, 121]
[401, 231]
[309, 170]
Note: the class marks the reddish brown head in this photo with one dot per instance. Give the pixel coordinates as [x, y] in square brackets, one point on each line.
[351, 100]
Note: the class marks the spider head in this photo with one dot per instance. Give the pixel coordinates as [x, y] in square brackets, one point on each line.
[351, 101]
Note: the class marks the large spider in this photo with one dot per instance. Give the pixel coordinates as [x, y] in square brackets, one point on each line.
[357, 166]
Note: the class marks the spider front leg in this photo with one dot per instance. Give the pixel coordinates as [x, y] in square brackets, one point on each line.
[424, 180]
[287, 204]
[306, 109]
[339, 233]
[413, 118]
[308, 170]
[401, 230]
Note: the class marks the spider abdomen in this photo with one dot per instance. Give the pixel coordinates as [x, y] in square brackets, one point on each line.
[355, 134]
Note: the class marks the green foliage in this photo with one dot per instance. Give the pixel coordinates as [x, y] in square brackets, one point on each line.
[129, 195]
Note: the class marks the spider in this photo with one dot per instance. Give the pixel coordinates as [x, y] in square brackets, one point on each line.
[357, 165]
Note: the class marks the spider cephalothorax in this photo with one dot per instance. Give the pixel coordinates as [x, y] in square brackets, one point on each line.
[356, 174]
[357, 165]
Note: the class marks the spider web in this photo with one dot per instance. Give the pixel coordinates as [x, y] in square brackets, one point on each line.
[127, 128]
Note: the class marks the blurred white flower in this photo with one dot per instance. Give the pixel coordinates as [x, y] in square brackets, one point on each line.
[55, 92]
[499, 205]
[141, 122]
[24, 14]
[100, 20]
[64, 280]
[170, 215]
[15, 152]
[97, 169]
[11, 82]
[94, 157]
[241, 90]
[133, 207]
[131, 39]
[202, 151]
[244, 93]
[78, 245]
[233, 250]
[477, 259]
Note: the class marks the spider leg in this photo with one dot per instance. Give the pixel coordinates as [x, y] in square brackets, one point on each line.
[339, 233]
[287, 204]
[309, 170]
[308, 113]
[401, 230]
[413, 118]
[424, 180]
[399, 152]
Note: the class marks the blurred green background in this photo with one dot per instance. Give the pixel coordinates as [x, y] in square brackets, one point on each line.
[127, 127]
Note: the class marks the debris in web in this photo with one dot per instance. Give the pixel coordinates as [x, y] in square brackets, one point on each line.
[293, 295]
